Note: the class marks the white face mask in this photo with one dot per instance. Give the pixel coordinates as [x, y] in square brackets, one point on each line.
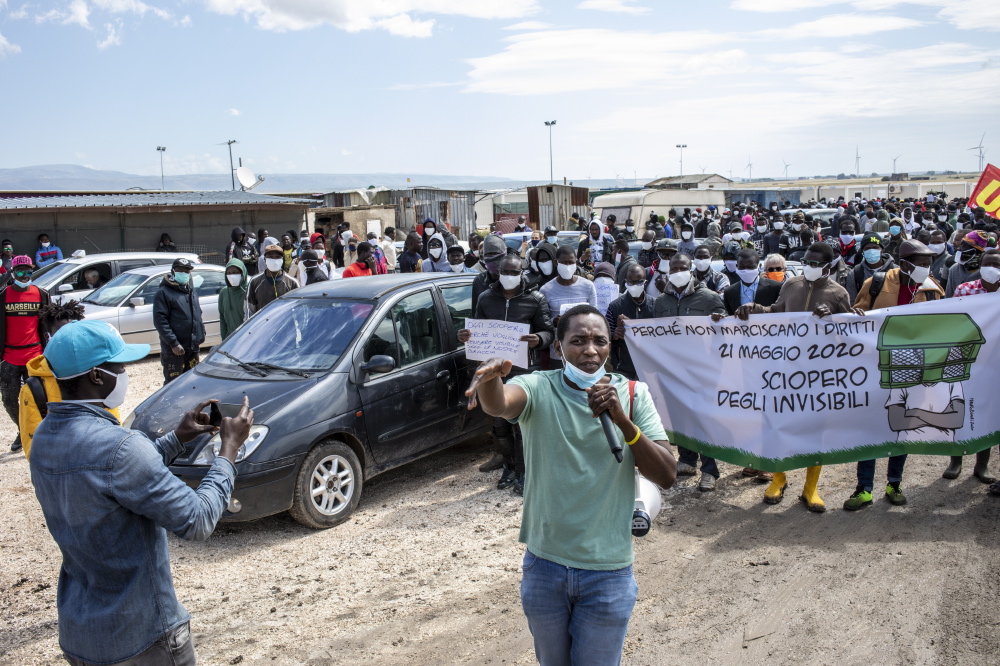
[990, 274]
[46, 244]
[545, 267]
[937, 248]
[959, 259]
[796, 226]
[761, 228]
[274, 265]
[686, 235]
[745, 235]
[320, 254]
[629, 228]
[435, 252]
[458, 268]
[567, 271]
[618, 258]
[680, 279]
[635, 290]
[748, 275]
[846, 239]
[604, 280]
[663, 266]
[702, 265]
[647, 246]
[942, 217]
[812, 273]
[919, 274]
[347, 235]
[117, 396]
[534, 265]
[730, 265]
[234, 280]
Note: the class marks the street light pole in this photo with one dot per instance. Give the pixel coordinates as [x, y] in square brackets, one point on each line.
[550, 124]
[161, 150]
[232, 171]
[682, 146]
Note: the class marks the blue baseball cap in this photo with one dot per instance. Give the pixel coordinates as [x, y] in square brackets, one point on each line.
[81, 345]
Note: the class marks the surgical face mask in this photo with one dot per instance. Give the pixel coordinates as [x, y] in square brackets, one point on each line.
[680, 279]
[779, 225]
[534, 265]
[959, 258]
[872, 256]
[582, 379]
[747, 275]
[435, 252]
[937, 248]
[182, 278]
[647, 245]
[117, 396]
[990, 274]
[551, 239]
[942, 217]
[730, 265]
[686, 235]
[46, 244]
[567, 271]
[745, 235]
[796, 226]
[919, 274]
[812, 273]
[428, 231]
[702, 265]
[545, 267]
[618, 258]
[761, 228]
[635, 290]
[629, 228]
[663, 266]
[776, 275]
[234, 280]
[274, 265]
[458, 268]
[22, 285]
[846, 239]
[928, 221]
[895, 229]
[320, 253]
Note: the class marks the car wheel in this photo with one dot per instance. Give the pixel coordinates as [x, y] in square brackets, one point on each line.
[328, 488]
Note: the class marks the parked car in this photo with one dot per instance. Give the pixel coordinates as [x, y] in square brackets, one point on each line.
[347, 379]
[64, 279]
[127, 302]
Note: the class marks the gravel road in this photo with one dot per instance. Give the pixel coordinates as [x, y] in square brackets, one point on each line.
[427, 572]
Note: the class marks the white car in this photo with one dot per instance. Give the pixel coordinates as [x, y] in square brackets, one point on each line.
[63, 280]
[127, 302]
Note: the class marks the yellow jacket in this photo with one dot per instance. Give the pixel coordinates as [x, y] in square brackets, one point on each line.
[889, 296]
[28, 415]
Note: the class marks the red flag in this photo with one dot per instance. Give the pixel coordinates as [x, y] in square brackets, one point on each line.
[987, 192]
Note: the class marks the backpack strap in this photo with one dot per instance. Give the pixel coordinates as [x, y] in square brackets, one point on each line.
[878, 281]
[631, 398]
[38, 395]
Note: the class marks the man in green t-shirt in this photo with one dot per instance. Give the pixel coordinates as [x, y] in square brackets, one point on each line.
[577, 589]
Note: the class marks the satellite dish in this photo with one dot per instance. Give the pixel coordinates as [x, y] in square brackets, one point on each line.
[246, 177]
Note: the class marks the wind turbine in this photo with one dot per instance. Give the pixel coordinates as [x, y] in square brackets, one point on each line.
[730, 172]
[702, 168]
[749, 169]
[894, 162]
[857, 162]
[982, 153]
[786, 167]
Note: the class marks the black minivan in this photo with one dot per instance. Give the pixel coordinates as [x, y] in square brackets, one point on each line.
[347, 379]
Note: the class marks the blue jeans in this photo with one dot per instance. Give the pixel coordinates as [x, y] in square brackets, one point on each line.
[689, 457]
[866, 472]
[577, 617]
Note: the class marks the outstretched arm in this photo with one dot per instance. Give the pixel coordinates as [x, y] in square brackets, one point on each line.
[506, 402]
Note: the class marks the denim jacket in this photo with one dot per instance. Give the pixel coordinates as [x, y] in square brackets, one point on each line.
[109, 499]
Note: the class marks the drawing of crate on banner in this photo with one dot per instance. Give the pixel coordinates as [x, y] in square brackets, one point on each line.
[926, 349]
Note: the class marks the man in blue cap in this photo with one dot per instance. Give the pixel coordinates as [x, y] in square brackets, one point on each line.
[109, 498]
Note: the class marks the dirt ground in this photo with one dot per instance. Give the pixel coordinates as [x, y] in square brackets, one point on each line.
[427, 572]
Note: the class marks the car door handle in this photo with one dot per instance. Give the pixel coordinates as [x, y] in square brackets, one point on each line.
[444, 375]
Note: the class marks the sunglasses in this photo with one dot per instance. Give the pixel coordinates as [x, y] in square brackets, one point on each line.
[22, 274]
[815, 264]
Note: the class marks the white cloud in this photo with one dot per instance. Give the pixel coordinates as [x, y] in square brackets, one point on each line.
[529, 25]
[113, 36]
[78, 12]
[18, 14]
[620, 6]
[6, 48]
[394, 16]
[345, 152]
[841, 26]
[129, 7]
[424, 86]
[233, 112]
[185, 22]
[963, 14]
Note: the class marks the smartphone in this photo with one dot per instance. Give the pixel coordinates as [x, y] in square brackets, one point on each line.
[217, 411]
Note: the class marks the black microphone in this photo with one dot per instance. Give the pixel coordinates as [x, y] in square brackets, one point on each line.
[609, 432]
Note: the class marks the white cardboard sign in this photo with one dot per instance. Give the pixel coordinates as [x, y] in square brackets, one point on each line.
[493, 338]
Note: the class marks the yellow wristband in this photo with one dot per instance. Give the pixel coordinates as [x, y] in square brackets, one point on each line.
[638, 434]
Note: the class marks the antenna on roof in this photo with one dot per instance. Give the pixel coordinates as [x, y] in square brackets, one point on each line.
[247, 179]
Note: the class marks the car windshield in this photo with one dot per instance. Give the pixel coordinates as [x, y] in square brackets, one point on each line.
[305, 334]
[113, 293]
[53, 273]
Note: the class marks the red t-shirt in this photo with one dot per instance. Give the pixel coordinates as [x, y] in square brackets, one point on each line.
[357, 269]
[906, 294]
[21, 309]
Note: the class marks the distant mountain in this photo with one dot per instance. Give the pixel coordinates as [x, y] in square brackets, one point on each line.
[72, 177]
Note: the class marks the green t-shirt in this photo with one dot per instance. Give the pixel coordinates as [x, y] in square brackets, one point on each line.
[578, 500]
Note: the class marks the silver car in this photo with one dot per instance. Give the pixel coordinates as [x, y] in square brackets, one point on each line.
[126, 302]
[64, 279]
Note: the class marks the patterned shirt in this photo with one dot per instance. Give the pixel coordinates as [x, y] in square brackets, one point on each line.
[970, 288]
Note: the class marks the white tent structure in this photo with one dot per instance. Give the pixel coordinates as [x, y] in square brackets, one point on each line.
[638, 204]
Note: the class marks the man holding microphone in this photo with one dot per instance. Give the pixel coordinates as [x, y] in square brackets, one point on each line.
[577, 589]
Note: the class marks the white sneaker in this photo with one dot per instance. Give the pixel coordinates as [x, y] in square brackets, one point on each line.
[707, 482]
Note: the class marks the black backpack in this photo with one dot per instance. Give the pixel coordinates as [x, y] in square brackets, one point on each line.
[38, 395]
[878, 281]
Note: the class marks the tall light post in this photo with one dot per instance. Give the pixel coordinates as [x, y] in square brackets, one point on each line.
[550, 124]
[682, 146]
[232, 171]
[161, 150]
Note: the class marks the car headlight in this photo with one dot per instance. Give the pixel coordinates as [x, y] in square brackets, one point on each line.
[257, 435]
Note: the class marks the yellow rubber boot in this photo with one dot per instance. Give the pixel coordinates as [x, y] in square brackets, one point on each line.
[776, 490]
[809, 493]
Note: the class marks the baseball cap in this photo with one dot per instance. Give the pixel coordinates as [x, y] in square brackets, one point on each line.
[81, 345]
[181, 262]
[20, 260]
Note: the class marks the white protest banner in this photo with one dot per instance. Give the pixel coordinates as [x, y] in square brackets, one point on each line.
[786, 391]
[492, 338]
[605, 294]
[566, 306]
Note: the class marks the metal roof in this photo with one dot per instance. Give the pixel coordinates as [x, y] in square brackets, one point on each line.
[146, 199]
[693, 179]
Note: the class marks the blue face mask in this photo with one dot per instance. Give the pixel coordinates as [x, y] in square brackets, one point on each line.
[894, 230]
[22, 285]
[873, 256]
[581, 378]
[182, 278]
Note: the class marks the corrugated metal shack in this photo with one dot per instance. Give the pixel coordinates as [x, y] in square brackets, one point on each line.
[456, 208]
[553, 204]
[196, 221]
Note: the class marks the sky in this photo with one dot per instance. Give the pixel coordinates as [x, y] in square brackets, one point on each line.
[464, 86]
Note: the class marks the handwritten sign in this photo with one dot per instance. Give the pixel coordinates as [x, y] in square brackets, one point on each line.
[566, 306]
[492, 338]
[606, 293]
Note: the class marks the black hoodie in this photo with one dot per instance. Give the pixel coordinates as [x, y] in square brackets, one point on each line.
[527, 307]
[243, 251]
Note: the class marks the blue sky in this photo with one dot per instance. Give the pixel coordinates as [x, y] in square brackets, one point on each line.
[463, 86]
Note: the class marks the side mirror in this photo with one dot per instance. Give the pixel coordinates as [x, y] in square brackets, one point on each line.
[65, 287]
[379, 363]
[136, 301]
